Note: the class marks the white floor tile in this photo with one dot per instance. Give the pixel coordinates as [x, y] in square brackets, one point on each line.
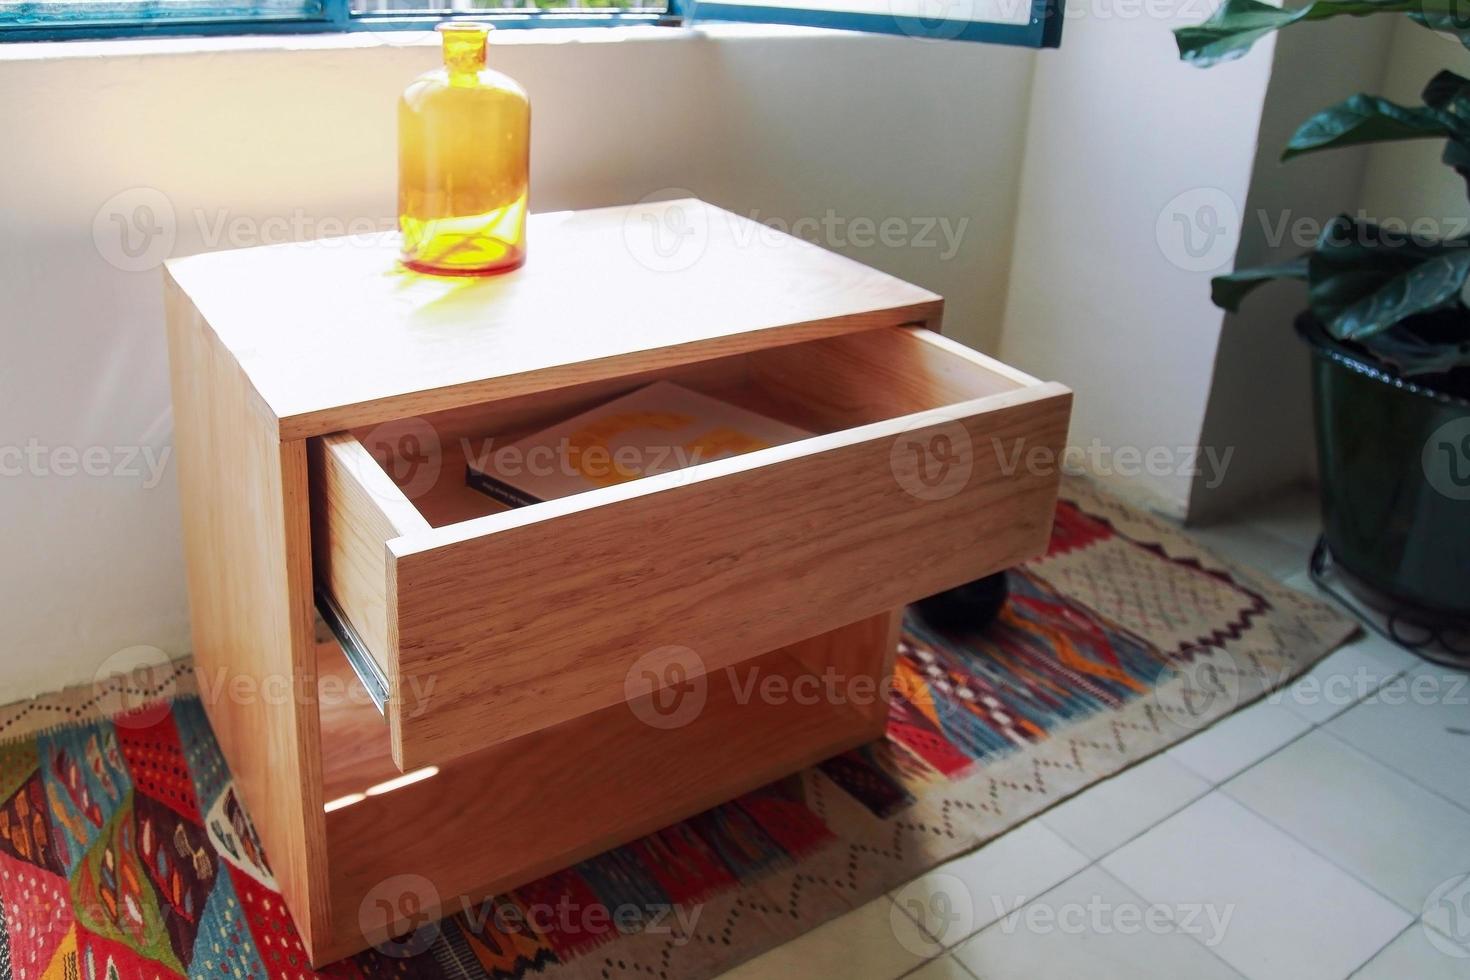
[1417, 725]
[1117, 809]
[956, 899]
[1293, 915]
[873, 942]
[944, 968]
[1418, 954]
[1232, 744]
[1092, 927]
[1386, 830]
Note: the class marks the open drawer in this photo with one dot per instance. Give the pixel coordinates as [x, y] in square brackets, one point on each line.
[930, 466]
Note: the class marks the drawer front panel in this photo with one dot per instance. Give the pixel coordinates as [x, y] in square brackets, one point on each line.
[508, 624]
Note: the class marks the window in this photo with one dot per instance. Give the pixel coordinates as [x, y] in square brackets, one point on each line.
[1035, 23]
[505, 6]
[52, 19]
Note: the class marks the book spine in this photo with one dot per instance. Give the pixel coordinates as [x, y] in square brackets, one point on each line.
[499, 489]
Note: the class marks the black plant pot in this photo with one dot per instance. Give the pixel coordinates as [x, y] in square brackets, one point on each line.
[1394, 461]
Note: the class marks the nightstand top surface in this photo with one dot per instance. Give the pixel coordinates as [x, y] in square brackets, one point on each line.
[335, 333]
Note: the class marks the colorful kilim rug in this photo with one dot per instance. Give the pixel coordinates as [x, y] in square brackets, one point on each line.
[125, 853]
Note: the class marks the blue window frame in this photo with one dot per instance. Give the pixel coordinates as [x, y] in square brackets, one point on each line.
[1030, 23]
[1035, 23]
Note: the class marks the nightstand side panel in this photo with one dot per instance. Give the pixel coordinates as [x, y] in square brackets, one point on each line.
[244, 499]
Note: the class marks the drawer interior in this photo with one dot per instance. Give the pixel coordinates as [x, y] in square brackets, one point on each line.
[821, 386]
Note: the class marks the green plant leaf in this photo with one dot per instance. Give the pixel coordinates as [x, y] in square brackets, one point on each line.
[1228, 290]
[1363, 279]
[1447, 90]
[1365, 119]
[1237, 24]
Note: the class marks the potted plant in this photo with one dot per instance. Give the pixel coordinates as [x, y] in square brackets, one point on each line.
[1389, 332]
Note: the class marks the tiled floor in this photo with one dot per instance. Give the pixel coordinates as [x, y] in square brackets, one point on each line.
[1322, 832]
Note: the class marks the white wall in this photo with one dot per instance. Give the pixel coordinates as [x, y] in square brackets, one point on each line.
[1124, 144]
[787, 123]
[1259, 400]
[1128, 152]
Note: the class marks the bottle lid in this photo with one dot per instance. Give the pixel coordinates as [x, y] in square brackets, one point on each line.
[468, 26]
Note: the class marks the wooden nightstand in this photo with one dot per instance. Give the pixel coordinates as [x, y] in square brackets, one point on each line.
[508, 694]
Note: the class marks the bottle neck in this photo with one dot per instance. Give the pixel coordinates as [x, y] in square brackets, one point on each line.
[464, 48]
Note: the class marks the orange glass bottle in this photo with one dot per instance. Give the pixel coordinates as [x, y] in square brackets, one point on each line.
[464, 158]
